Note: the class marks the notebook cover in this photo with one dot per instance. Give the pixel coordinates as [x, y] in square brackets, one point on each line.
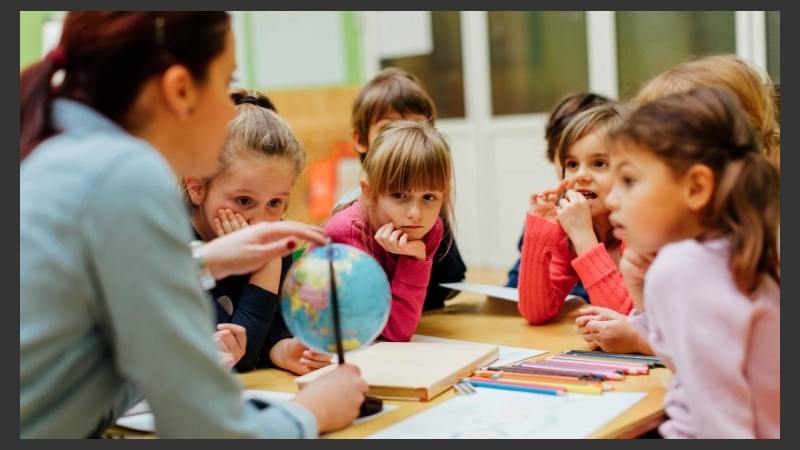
[413, 370]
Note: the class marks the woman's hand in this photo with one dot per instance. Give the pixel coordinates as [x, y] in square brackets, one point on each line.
[334, 398]
[248, 249]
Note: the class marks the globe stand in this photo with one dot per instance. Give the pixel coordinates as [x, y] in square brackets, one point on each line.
[371, 405]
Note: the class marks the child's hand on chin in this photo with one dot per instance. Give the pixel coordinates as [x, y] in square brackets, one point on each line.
[228, 221]
[396, 241]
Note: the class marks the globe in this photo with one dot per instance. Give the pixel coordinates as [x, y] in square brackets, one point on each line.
[363, 293]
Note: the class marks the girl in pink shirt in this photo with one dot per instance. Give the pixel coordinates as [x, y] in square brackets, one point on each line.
[399, 218]
[695, 201]
[567, 233]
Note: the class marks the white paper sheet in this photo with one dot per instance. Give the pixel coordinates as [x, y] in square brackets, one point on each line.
[508, 355]
[140, 418]
[506, 293]
[498, 414]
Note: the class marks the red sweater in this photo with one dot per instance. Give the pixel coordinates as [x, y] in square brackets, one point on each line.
[549, 270]
[407, 275]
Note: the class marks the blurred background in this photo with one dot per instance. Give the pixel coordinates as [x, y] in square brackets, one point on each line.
[494, 76]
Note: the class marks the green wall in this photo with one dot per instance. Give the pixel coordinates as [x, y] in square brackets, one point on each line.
[32, 22]
[352, 45]
[30, 36]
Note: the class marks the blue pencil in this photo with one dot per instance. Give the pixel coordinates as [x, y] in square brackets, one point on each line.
[514, 387]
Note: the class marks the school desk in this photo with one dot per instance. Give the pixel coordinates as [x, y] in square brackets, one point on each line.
[473, 317]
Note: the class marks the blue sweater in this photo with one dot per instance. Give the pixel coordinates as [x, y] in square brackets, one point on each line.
[111, 309]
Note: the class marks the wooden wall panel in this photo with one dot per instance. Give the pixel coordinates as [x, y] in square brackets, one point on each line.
[319, 118]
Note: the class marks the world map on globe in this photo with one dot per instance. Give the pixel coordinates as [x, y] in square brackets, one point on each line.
[363, 292]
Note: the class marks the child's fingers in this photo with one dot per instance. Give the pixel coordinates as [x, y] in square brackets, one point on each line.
[232, 220]
[226, 224]
[242, 222]
[238, 332]
[226, 359]
[226, 340]
[218, 227]
[562, 186]
[314, 364]
[394, 238]
[235, 220]
[317, 356]
[384, 231]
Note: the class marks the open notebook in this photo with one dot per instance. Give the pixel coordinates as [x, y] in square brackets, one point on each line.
[414, 370]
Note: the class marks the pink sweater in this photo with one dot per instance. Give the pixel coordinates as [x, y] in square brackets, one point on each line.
[723, 347]
[549, 270]
[407, 275]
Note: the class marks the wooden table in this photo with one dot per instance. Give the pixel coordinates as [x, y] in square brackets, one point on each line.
[473, 317]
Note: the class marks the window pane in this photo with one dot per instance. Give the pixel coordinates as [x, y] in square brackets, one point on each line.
[774, 45]
[442, 70]
[536, 57]
[649, 42]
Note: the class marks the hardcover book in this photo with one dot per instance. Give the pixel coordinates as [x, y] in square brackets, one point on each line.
[416, 371]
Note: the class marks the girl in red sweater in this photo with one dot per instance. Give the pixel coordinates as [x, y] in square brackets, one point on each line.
[567, 232]
[399, 219]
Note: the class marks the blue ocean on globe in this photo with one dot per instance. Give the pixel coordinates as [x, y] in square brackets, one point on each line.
[363, 293]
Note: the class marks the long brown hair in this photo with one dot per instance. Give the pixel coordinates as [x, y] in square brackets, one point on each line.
[753, 88]
[708, 126]
[107, 56]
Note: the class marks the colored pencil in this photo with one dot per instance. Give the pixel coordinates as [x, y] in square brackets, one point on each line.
[488, 373]
[585, 388]
[654, 360]
[475, 381]
[639, 369]
[520, 369]
[607, 360]
[564, 370]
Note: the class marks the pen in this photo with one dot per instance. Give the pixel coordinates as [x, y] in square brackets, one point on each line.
[514, 387]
